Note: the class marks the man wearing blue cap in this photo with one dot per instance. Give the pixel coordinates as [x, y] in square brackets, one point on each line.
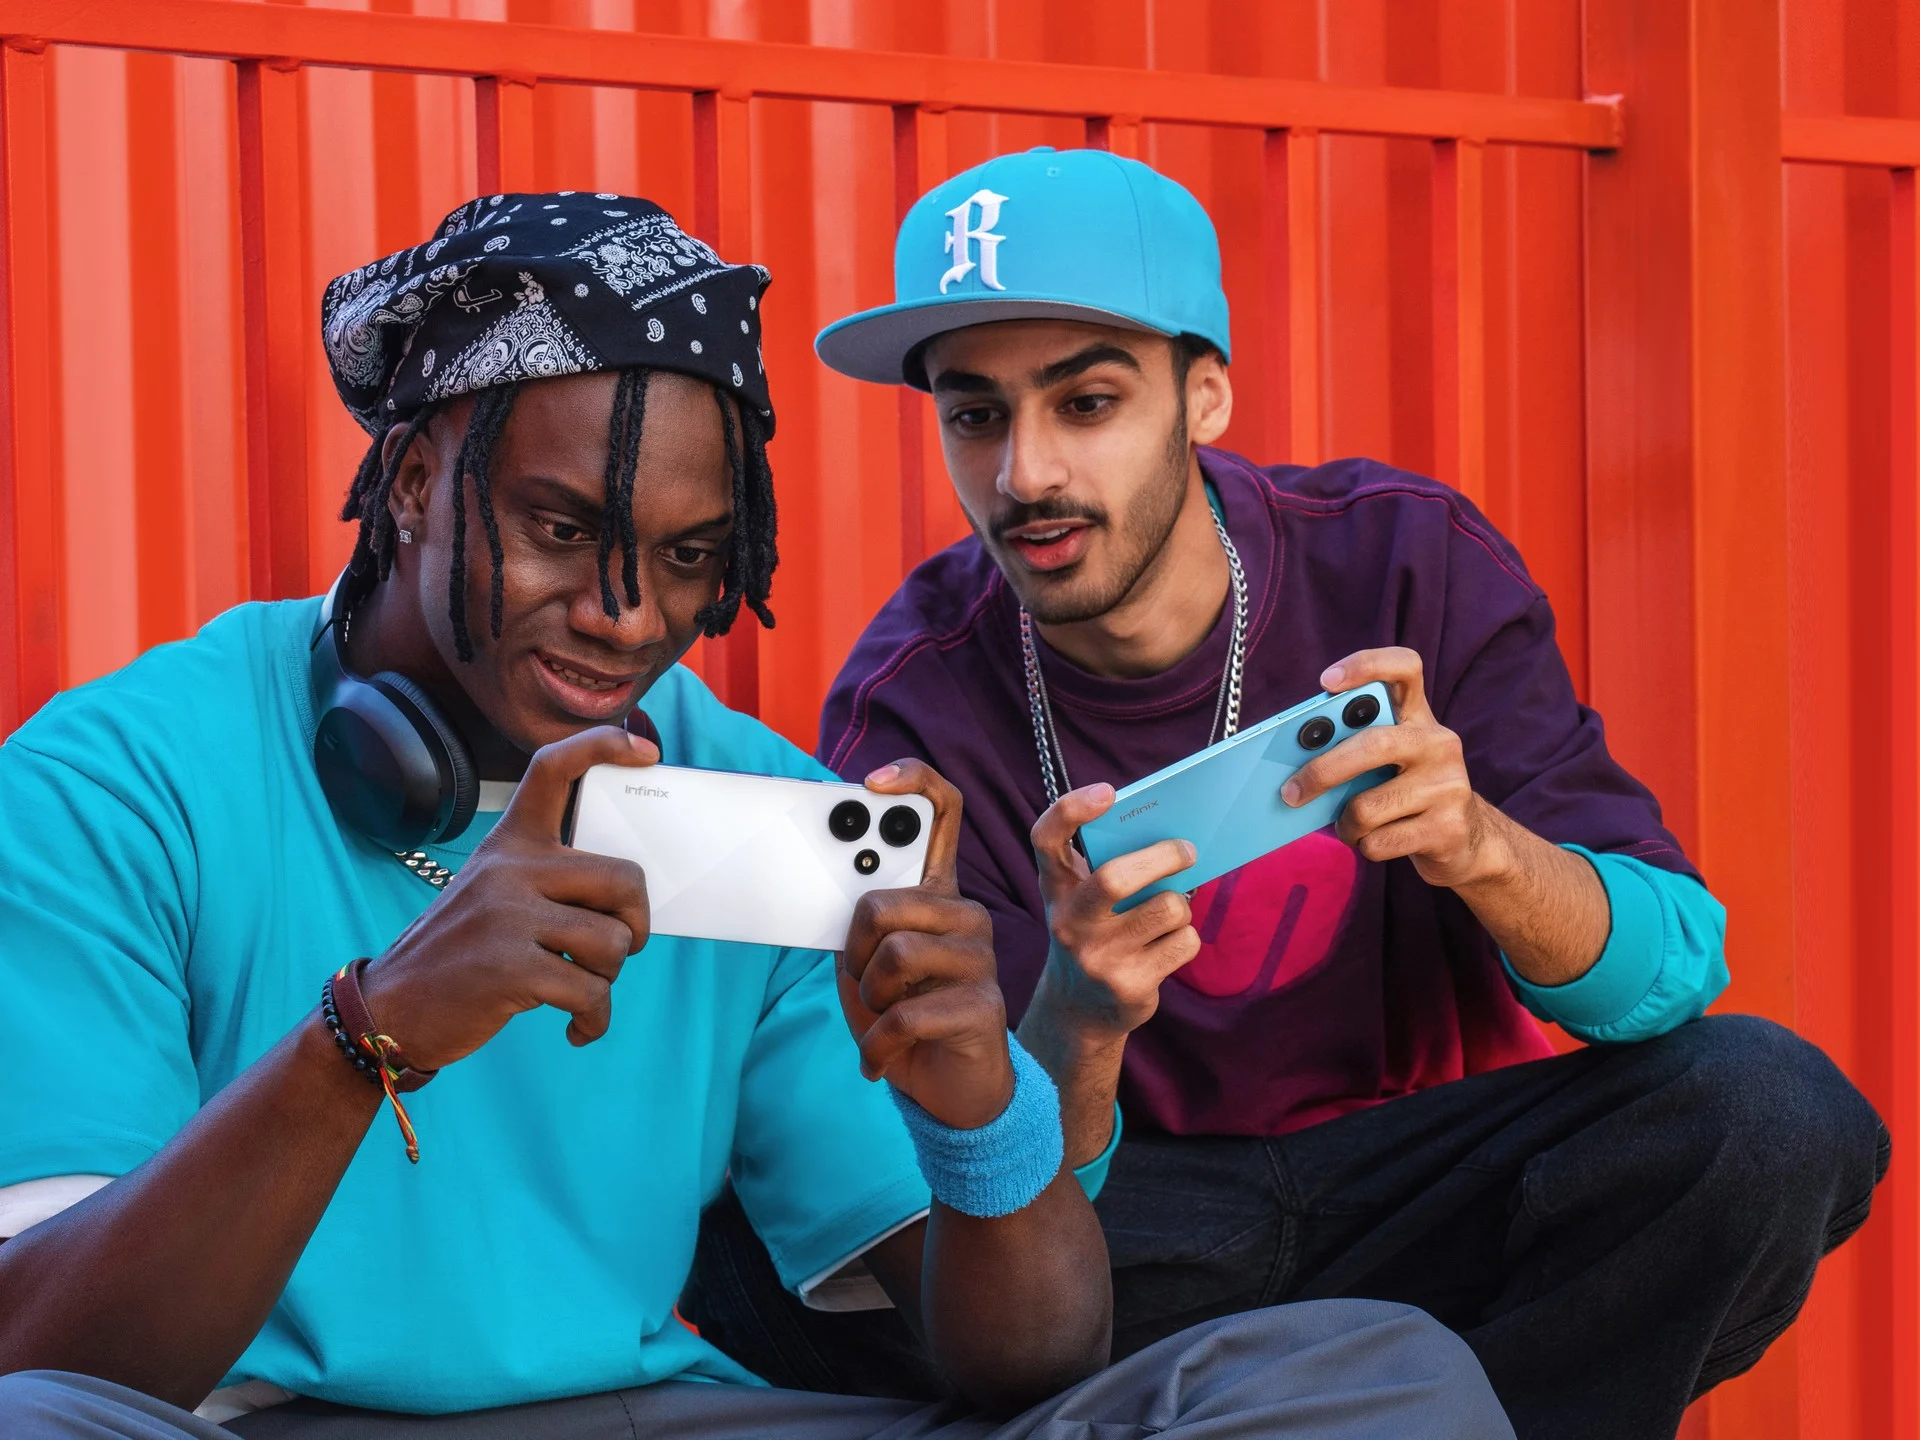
[1328, 1076]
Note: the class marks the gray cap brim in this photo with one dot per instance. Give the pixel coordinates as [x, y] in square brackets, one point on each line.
[875, 344]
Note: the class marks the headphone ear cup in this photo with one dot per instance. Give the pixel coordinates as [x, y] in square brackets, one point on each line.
[449, 750]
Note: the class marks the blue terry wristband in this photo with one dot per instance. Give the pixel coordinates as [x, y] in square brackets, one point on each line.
[1001, 1166]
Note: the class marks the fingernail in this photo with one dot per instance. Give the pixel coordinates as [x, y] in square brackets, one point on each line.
[1332, 676]
[1101, 792]
[1290, 792]
[1190, 850]
[883, 775]
[641, 745]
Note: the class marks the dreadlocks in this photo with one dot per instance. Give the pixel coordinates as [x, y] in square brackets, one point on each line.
[751, 557]
[623, 453]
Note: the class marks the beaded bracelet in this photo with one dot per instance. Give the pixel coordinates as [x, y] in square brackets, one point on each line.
[330, 1012]
[370, 1052]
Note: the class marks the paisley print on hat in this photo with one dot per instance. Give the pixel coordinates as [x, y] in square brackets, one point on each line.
[496, 297]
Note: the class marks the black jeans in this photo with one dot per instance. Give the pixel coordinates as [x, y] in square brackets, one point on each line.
[1613, 1231]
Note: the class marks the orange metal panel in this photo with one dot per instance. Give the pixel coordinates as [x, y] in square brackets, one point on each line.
[162, 554]
[99, 613]
[919, 163]
[212, 346]
[1617, 425]
[1294, 319]
[1836, 628]
[1362, 294]
[396, 150]
[1898, 1409]
[723, 217]
[1535, 416]
[1639, 394]
[30, 503]
[456, 47]
[1741, 636]
[277, 301]
[564, 116]
[1851, 958]
[1459, 317]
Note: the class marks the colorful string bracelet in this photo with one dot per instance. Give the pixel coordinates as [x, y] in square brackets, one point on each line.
[374, 1054]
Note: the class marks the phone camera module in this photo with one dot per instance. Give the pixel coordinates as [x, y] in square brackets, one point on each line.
[1361, 711]
[1316, 732]
[867, 861]
[900, 826]
[849, 821]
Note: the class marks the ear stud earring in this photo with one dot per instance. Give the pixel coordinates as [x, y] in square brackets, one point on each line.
[406, 537]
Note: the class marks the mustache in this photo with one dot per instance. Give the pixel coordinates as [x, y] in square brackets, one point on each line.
[1059, 508]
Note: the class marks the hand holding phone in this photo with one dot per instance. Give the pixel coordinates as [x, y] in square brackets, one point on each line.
[1426, 811]
[917, 977]
[526, 922]
[1104, 968]
[1227, 800]
[758, 859]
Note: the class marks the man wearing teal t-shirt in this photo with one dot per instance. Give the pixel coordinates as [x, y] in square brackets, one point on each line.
[260, 885]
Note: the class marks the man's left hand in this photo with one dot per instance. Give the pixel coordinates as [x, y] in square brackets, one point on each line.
[1428, 812]
[917, 976]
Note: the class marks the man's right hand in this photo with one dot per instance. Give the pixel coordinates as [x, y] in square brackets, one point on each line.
[527, 922]
[1104, 970]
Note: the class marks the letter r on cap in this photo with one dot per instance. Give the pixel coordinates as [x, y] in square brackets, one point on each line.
[962, 237]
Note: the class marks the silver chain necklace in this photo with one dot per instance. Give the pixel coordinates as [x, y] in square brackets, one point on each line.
[425, 866]
[1226, 709]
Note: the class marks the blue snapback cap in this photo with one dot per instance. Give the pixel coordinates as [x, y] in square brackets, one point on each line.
[1070, 234]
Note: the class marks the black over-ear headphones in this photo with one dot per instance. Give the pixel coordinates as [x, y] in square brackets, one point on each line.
[391, 764]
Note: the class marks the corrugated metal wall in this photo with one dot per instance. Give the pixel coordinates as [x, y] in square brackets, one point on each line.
[151, 404]
[1734, 589]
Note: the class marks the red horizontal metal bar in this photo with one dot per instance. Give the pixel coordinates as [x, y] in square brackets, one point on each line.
[1850, 140]
[475, 48]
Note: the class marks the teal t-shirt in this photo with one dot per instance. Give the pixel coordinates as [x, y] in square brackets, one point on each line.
[173, 890]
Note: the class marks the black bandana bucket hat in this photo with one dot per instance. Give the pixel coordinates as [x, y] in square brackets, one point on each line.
[525, 287]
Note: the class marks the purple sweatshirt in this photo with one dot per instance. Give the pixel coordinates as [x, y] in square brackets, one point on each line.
[1325, 983]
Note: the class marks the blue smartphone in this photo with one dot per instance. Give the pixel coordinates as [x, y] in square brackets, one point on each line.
[1225, 799]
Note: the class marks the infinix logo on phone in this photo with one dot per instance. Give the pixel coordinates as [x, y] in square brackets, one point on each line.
[646, 790]
[1139, 810]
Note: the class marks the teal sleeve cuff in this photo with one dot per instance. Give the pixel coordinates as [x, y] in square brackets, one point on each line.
[1093, 1175]
[1664, 962]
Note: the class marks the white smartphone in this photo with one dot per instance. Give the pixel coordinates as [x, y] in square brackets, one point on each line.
[754, 858]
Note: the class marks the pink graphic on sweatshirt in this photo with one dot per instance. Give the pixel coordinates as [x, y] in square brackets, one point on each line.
[1273, 920]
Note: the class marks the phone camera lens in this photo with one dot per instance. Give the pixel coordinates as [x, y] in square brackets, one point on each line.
[900, 826]
[867, 861]
[1315, 733]
[1361, 711]
[849, 821]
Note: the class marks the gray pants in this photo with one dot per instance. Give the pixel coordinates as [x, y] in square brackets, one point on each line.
[1330, 1370]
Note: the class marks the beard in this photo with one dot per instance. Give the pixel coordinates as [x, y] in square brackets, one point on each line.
[1134, 544]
